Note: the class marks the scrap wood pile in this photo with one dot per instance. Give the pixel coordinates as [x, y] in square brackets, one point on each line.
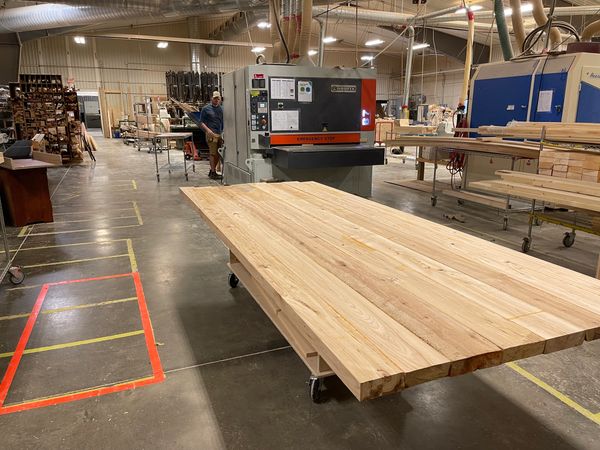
[381, 309]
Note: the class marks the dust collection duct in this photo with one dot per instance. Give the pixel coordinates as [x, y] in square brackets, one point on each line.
[78, 13]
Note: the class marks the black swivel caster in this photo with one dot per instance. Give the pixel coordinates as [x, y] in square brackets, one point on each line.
[433, 201]
[314, 389]
[569, 239]
[16, 275]
[233, 280]
[526, 245]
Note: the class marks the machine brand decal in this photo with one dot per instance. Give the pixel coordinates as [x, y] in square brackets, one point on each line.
[343, 88]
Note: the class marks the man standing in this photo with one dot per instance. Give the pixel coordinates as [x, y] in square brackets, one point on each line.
[211, 121]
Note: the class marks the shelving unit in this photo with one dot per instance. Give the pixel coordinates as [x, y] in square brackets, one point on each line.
[42, 105]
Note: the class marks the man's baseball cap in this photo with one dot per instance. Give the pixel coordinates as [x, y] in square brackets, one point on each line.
[216, 94]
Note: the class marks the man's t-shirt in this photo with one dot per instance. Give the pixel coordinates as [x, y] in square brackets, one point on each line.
[212, 117]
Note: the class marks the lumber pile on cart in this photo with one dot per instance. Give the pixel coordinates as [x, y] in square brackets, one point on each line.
[480, 145]
[574, 165]
[381, 309]
[555, 131]
[576, 194]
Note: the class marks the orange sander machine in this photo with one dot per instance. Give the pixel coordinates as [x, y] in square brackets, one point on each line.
[285, 122]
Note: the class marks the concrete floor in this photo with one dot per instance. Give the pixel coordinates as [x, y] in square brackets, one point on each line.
[231, 379]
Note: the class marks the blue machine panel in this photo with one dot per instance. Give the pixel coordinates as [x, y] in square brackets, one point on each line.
[557, 84]
[588, 109]
[497, 101]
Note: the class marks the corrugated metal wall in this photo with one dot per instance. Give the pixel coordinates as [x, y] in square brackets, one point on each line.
[137, 68]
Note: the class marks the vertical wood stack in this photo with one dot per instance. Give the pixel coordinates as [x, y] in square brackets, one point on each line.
[42, 105]
[584, 166]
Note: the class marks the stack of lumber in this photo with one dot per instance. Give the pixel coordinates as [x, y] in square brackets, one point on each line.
[381, 309]
[576, 194]
[575, 165]
[495, 146]
[584, 133]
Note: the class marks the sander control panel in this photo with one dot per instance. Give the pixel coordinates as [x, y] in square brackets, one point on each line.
[259, 110]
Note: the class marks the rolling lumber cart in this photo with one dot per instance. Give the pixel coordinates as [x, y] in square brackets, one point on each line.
[379, 309]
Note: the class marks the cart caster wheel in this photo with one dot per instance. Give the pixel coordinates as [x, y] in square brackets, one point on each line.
[505, 224]
[186, 178]
[569, 239]
[157, 177]
[314, 389]
[233, 280]
[188, 157]
[537, 222]
[433, 201]
[460, 202]
[526, 245]
[16, 275]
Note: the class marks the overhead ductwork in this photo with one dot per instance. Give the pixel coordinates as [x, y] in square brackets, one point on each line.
[517, 23]
[540, 18]
[593, 29]
[503, 30]
[236, 25]
[70, 13]
[364, 15]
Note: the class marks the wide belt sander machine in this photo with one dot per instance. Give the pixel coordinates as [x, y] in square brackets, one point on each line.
[285, 122]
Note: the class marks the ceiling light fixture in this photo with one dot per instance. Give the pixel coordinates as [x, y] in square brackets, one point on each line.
[420, 46]
[329, 39]
[374, 42]
[525, 8]
[263, 25]
[258, 49]
[471, 8]
[79, 39]
[312, 52]
[162, 44]
[367, 58]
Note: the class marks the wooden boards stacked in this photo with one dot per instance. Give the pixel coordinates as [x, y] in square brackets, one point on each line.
[555, 131]
[382, 309]
[565, 192]
[572, 165]
[496, 147]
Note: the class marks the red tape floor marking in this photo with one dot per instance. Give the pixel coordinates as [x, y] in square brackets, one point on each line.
[157, 371]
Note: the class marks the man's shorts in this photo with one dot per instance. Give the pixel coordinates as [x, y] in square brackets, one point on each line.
[214, 144]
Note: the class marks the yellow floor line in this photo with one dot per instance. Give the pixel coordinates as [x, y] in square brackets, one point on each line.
[132, 259]
[43, 247]
[82, 231]
[87, 305]
[75, 343]
[89, 211]
[137, 213]
[134, 184]
[23, 231]
[556, 393]
[70, 308]
[76, 261]
[94, 219]
[104, 205]
[14, 316]
[18, 288]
